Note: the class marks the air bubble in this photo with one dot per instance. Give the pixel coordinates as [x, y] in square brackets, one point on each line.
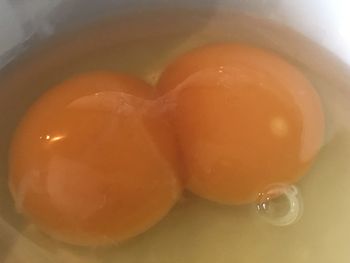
[280, 205]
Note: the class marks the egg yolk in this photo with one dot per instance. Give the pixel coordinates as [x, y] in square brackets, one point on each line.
[90, 163]
[245, 119]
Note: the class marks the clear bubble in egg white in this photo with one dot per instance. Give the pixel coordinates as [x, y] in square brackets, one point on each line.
[280, 205]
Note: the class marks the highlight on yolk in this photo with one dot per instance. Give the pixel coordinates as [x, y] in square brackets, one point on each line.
[245, 119]
[90, 163]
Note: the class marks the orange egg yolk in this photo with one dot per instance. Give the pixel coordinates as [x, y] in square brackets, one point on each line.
[90, 163]
[245, 119]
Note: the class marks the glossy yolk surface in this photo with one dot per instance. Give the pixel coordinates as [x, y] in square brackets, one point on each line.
[91, 164]
[245, 119]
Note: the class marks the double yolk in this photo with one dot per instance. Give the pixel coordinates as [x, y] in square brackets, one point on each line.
[99, 159]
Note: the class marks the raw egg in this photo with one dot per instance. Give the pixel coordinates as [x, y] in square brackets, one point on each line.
[90, 162]
[245, 118]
